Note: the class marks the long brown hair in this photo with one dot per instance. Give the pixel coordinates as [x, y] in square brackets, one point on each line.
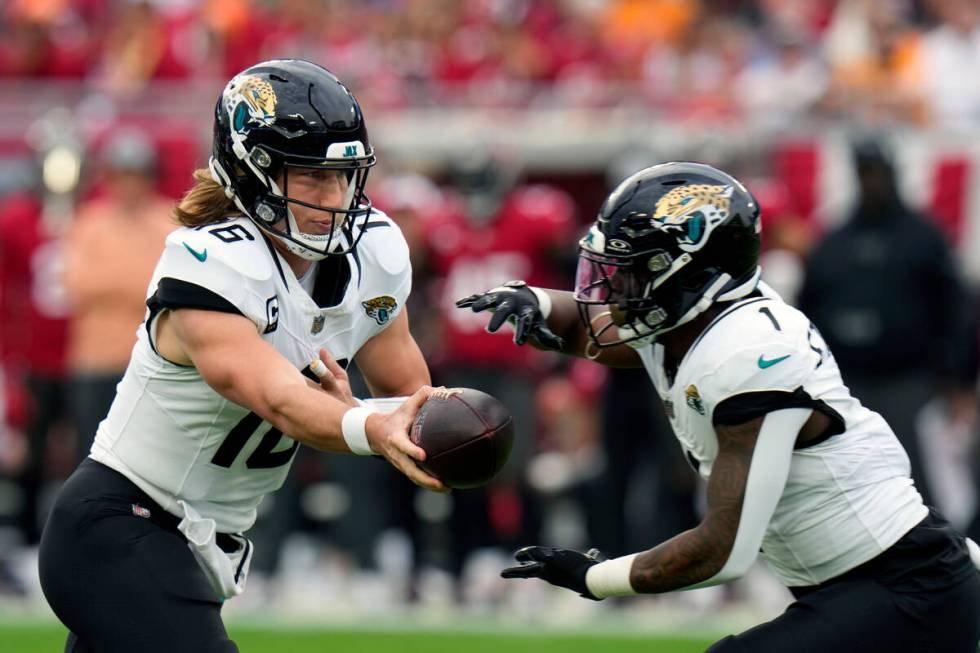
[205, 202]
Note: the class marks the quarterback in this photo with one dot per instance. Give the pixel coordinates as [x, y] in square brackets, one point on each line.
[797, 470]
[280, 259]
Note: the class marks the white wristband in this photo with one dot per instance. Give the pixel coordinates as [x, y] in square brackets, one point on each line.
[352, 428]
[544, 301]
[611, 578]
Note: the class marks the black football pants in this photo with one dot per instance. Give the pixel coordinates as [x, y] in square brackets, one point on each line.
[119, 581]
[920, 596]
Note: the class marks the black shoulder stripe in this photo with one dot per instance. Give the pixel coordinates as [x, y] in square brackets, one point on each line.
[175, 293]
[748, 406]
[376, 223]
[353, 253]
[275, 259]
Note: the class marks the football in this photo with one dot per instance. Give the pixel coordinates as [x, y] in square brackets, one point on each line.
[466, 434]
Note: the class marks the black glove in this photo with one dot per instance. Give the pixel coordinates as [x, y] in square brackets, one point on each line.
[561, 567]
[515, 302]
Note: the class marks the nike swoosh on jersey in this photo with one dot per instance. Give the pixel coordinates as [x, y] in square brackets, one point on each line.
[763, 363]
[200, 256]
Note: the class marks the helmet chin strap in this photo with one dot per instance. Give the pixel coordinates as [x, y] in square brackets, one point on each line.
[647, 335]
[710, 296]
[300, 250]
[742, 289]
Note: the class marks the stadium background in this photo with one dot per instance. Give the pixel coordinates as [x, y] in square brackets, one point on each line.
[500, 124]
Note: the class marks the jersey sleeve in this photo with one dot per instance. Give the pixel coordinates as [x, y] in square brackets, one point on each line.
[765, 370]
[201, 271]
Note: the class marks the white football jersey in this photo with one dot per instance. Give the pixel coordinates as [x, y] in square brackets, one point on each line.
[849, 495]
[176, 438]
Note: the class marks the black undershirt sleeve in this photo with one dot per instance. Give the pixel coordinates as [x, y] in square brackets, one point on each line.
[748, 406]
[173, 293]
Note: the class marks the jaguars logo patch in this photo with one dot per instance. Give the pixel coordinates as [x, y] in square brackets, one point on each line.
[693, 398]
[380, 308]
[250, 97]
[693, 212]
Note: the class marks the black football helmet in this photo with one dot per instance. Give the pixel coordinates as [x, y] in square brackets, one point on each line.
[669, 241]
[284, 114]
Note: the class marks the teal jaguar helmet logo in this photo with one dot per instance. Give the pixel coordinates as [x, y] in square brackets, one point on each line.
[693, 211]
[250, 97]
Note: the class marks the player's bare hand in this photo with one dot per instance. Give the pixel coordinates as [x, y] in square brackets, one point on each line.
[333, 378]
[389, 436]
[516, 303]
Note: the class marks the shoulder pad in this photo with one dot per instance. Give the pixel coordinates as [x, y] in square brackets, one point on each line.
[237, 244]
[239, 271]
[384, 245]
[760, 346]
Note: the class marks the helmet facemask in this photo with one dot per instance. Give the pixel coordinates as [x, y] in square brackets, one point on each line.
[271, 210]
[641, 293]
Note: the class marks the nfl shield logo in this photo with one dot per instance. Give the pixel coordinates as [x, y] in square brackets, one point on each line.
[318, 324]
[694, 399]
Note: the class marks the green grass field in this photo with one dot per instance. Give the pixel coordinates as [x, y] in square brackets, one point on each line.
[50, 639]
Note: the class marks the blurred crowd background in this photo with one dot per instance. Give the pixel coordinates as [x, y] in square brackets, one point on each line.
[500, 125]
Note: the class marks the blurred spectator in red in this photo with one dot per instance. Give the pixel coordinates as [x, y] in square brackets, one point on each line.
[110, 253]
[496, 233]
[787, 238]
[953, 47]
[237, 30]
[583, 65]
[411, 200]
[33, 333]
[13, 454]
[144, 43]
[43, 39]
[570, 456]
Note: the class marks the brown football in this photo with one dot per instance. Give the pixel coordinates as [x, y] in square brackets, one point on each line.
[467, 436]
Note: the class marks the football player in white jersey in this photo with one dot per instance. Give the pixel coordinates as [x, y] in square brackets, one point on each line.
[281, 259]
[797, 470]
